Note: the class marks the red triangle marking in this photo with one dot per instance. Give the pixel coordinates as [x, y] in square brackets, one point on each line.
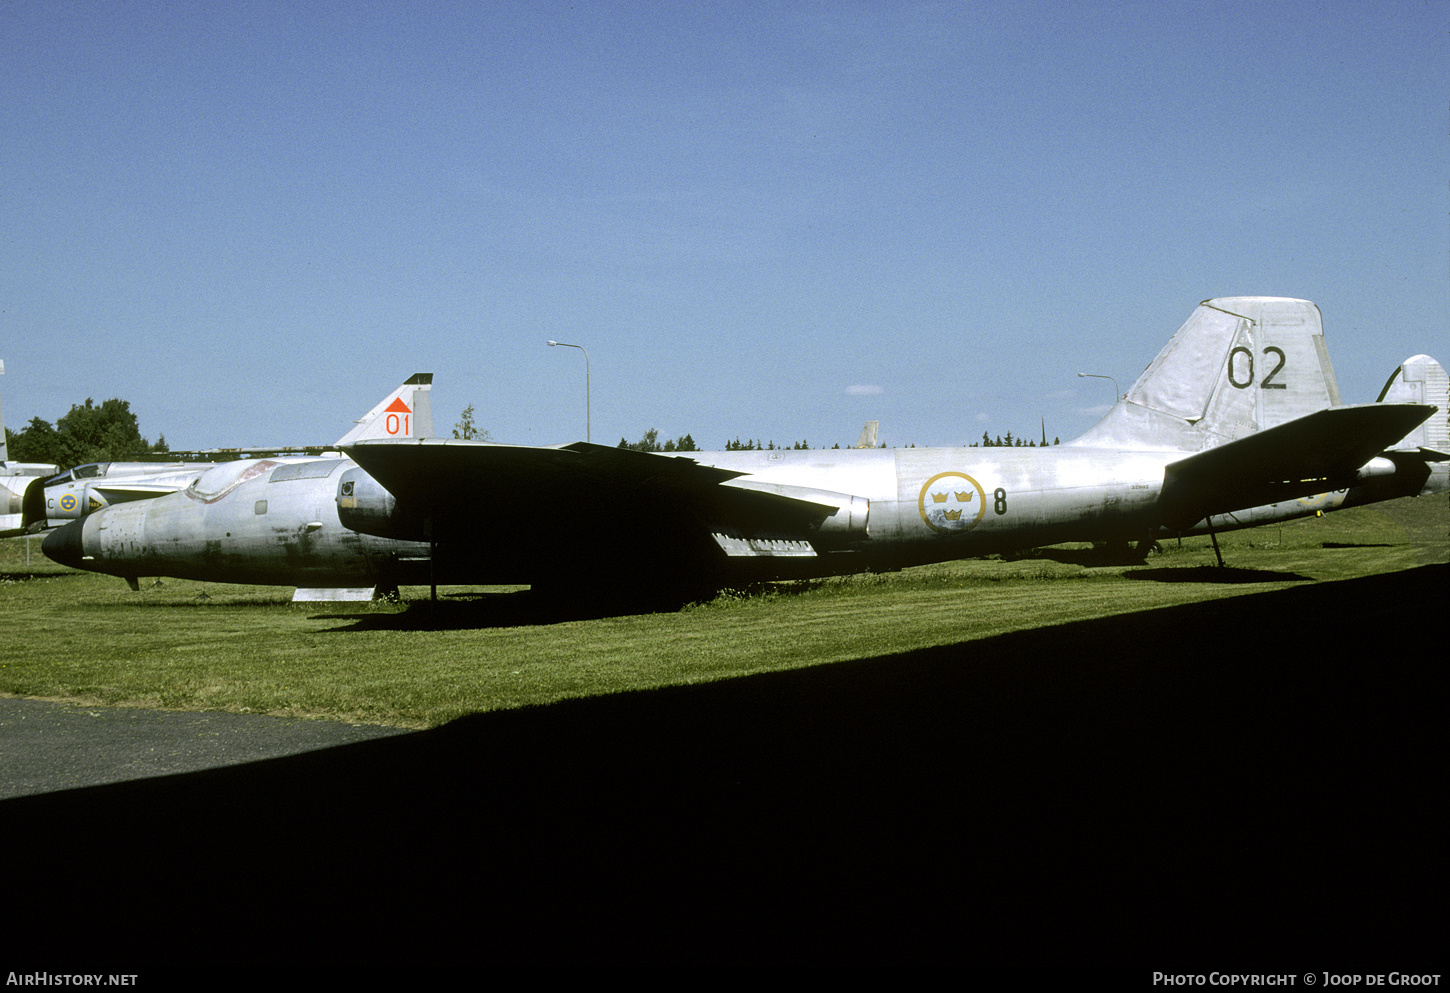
[397, 407]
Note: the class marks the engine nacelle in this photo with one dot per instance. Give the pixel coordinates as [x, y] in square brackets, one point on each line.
[1374, 467]
[364, 505]
[848, 521]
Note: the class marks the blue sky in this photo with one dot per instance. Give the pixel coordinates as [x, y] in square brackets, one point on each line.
[771, 221]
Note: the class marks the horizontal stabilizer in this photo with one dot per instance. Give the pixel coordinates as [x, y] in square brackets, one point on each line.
[1312, 454]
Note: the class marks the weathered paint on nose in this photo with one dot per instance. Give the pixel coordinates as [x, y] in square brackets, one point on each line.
[64, 545]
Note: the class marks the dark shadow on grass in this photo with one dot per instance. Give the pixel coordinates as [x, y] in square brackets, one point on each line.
[527, 608]
[519, 608]
[1085, 557]
[1260, 778]
[1215, 574]
[1355, 544]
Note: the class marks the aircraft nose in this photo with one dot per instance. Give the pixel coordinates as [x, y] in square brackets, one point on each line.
[63, 545]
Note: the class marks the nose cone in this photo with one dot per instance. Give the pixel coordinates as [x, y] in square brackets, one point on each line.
[63, 545]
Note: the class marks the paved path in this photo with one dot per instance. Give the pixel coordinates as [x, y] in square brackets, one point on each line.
[47, 746]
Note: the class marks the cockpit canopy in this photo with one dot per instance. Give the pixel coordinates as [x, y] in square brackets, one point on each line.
[91, 470]
[227, 475]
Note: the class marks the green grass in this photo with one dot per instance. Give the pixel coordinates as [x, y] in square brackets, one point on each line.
[87, 638]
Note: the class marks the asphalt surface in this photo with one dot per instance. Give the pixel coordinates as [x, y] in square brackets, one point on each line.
[47, 746]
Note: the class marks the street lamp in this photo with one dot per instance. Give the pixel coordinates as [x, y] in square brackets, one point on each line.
[587, 425]
[1093, 375]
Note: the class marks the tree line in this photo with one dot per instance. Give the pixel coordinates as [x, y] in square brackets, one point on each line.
[1010, 442]
[650, 442]
[109, 431]
[104, 432]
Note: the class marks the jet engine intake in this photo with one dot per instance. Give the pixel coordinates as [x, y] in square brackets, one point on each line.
[363, 505]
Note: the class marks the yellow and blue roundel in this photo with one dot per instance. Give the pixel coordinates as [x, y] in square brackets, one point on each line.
[951, 502]
[68, 502]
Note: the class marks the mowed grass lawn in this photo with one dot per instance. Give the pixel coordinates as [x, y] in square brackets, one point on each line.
[88, 639]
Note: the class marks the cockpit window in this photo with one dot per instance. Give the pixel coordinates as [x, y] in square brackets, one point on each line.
[88, 471]
[222, 479]
[311, 469]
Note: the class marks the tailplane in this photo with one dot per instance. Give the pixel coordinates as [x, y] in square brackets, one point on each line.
[1236, 366]
[405, 414]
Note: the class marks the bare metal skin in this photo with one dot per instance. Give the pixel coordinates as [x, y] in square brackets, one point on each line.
[1237, 422]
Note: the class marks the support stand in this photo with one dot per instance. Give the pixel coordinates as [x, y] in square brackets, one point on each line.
[1214, 538]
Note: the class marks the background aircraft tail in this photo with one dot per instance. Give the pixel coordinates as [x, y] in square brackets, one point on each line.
[405, 414]
[1420, 379]
[1423, 455]
[868, 435]
[1236, 366]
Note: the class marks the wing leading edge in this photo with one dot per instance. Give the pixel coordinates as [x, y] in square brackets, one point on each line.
[464, 489]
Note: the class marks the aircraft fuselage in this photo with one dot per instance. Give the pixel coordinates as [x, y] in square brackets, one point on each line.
[1237, 422]
[975, 499]
[269, 522]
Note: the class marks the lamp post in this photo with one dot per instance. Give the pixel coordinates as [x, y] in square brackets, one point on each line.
[1093, 375]
[587, 416]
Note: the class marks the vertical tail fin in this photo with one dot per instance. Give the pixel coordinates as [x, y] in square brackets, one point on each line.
[406, 413]
[1420, 379]
[868, 435]
[1236, 366]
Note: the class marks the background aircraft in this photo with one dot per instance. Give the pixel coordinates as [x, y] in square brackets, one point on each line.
[1237, 422]
[16, 478]
[406, 413]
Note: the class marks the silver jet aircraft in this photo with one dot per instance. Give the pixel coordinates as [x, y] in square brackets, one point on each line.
[404, 414]
[1237, 422]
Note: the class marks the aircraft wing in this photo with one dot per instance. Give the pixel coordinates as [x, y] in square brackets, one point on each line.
[1312, 454]
[465, 489]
